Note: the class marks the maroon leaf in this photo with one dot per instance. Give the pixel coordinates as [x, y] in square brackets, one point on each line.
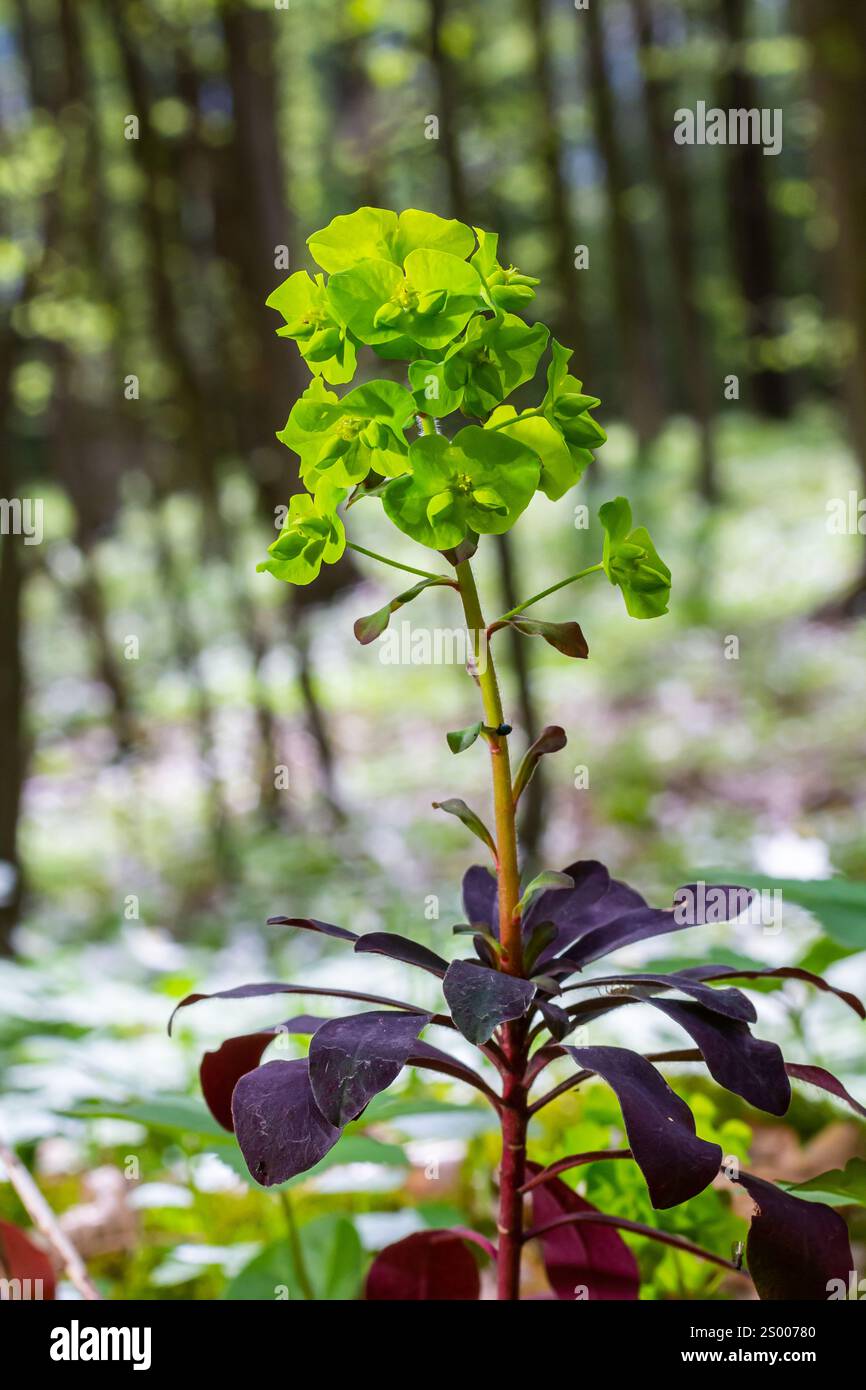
[817, 1076]
[313, 924]
[551, 740]
[677, 1164]
[220, 1071]
[567, 638]
[259, 991]
[748, 1066]
[387, 943]
[20, 1259]
[481, 999]
[795, 1248]
[429, 1266]
[353, 1059]
[279, 1127]
[590, 1255]
[424, 1055]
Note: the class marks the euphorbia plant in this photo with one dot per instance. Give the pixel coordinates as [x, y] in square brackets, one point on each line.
[432, 294]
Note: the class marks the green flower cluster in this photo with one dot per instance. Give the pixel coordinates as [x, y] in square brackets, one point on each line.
[430, 292]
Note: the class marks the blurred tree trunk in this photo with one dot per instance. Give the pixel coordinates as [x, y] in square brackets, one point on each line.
[670, 174]
[448, 100]
[12, 752]
[836, 30]
[641, 402]
[751, 223]
[258, 223]
[568, 320]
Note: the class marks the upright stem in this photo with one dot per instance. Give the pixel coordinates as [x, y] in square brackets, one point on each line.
[513, 1035]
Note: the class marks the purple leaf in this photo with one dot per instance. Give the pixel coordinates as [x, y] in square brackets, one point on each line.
[567, 638]
[353, 1059]
[702, 904]
[782, 972]
[677, 1164]
[429, 1266]
[730, 1002]
[313, 924]
[259, 991]
[590, 1255]
[386, 943]
[559, 1023]
[480, 897]
[817, 1076]
[748, 1066]
[280, 1130]
[481, 999]
[794, 1248]
[640, 923]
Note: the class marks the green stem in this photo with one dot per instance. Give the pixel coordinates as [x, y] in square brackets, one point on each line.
[395, 564]
[503, 800]
[527, 415]
[527, 603]
[297, 1250]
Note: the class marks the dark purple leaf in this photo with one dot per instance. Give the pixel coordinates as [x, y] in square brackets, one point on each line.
[386, 943]
[590, 1255]
[313, 924]
[480, 898]
[677, 1164]
[559, 1023]
[259, 991]
[279, 1127]
[481, 999]
[427, 1267]
[817, 1076]
[641, 923]
[730, 1002]
[748, 1066]
[353, 1059]
[782, 972]
[794, 1248]
[702, 904]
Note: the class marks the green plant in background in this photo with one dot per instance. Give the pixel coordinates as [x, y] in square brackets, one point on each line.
[433, 295]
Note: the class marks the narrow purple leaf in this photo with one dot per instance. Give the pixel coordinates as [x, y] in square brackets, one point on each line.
[702, 904]
[795, 1249]
[677, 1164]
[589, 1256]
[818, 1076]
[426, 1267]
[260, 991]
[313, 924]
[386, 943]
[279, 1127]
[748, 1066]
[353, 1059]
[781, 972]
[433, 1058]
[481, 999]
[641, 923]
[730, 1002]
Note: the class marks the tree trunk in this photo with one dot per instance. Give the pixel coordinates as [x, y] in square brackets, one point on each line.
[693, 330]
[751, 222]
[641, 401]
